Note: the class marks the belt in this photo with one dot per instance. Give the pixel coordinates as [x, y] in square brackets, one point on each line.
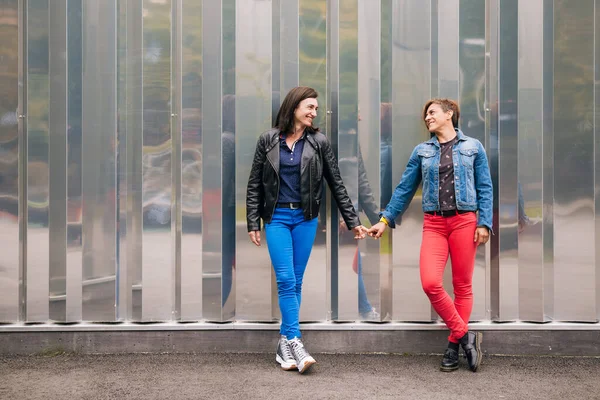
[448, 213]
[293, 206]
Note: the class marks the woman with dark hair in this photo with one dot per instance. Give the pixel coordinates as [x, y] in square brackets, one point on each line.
[456, 185]
[284, 189]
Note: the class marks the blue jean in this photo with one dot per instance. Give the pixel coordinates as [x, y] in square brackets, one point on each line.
[290, 239]
[364, 306]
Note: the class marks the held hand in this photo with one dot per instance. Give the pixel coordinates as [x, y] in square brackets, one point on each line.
[360, 232]
[255, 237]
[482, 235]
[377, 230]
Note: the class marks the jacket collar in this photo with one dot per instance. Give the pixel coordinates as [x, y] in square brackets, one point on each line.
[275, 138]
[459, 134]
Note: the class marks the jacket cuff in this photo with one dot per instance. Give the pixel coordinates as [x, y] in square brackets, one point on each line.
[388, 217]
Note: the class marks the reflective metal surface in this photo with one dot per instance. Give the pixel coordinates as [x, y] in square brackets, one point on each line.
[574, 189]
[253, 105]
[411, 86]
[312, 56]
[128, 128]
[9, 161]
[158, 271]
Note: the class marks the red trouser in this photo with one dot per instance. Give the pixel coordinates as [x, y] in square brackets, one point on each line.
[454, 236]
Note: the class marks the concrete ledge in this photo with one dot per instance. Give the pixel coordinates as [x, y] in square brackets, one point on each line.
[339, 338]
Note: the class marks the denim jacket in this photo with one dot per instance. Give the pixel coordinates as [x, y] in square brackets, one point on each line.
[472, 180]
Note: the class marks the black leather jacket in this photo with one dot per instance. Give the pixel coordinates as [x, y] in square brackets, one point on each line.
[317, 161]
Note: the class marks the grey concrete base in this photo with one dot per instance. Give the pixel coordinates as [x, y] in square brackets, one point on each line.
[113, 341]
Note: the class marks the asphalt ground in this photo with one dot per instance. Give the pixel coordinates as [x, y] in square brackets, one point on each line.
[257, 376]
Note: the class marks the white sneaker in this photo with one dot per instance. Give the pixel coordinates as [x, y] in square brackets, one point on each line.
[284, 354]
[303, 360]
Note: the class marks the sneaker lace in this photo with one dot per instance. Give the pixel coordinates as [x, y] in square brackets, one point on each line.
[298, 348]
[286, 351]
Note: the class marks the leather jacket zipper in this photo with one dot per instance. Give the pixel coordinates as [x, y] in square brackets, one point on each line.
[276, 197]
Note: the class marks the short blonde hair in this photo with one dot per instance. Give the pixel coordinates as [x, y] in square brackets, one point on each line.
[446, 105]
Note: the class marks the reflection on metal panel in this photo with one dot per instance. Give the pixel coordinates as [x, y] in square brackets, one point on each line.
[471, 61]
[347, 152]
[289, 42]
[508, 160]
[253, 116]
[597, 149]
[574, 268]
[191, 161]
[9, 162]
[312, 73]
[134, 128]
[368, 267]
[530, 189]
[411, 53]
[57, 157]
[157, 268]
[38, 185]
[212, 91]
[74, 248]
[99, 141]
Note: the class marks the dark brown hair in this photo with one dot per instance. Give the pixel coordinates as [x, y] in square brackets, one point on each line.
[285, 117]
[446, 105]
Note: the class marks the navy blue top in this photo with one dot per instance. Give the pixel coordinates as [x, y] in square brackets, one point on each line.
[289, 170]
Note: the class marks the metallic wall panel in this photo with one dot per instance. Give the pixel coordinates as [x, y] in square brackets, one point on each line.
[347, 152]
[369, 157]
[532, 131]
[597, 147]
[507, 228]
[448, 67]
[124, 290]
[212, 185]
[289, 42]
[574, 268]
[99, 145]
[411, 60]
[74, 248]
[191, 161]
[38, 185]
[9, 161]
[158, 278]
[472, 55]
[176, 125]
[134, 90]
[313, 72]
[57, 157]
[253, 56]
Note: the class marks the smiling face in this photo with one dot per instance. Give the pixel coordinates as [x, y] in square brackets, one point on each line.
[306, 112]
[436, 118]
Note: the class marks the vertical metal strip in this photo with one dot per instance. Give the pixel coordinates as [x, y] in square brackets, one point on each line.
[276, 97]
[191, 162]
[253, 116]
[467, 83]
[231, 229]
[23, 158]
[597, 148]
[37, 246]
[176, 112]
[74, 206]
[492, 117]
[368, 276]
[289, 43]
[9, 159]
[574, 268]
[311, 57]
[333, 88]
[548, 161]
[157, 268]
[411, 58]
[57, 157]
[531, 171]
[124, 310]
[386, 180]
[212, 91]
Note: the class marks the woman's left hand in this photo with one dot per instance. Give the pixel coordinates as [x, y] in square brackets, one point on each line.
[482, 235]
[360, 232]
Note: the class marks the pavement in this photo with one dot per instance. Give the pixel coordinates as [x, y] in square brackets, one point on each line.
[257, 376]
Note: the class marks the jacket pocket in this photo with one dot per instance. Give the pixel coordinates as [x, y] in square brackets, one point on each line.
[428, 167]
[467, 156]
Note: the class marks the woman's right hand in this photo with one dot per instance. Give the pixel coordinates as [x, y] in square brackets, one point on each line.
[377, 230]
[255, 237]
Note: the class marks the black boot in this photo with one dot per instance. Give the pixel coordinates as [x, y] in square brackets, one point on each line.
[450, 360]
[471, 344]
